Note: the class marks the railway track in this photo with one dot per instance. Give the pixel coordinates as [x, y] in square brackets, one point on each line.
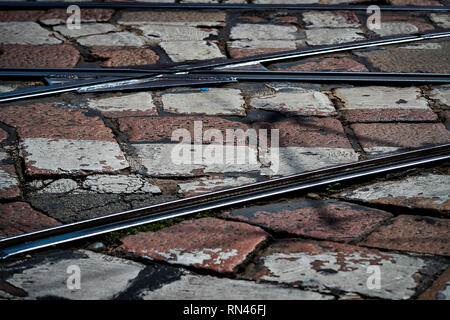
[85, 80]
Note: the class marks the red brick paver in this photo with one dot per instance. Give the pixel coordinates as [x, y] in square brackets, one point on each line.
[19, 217]
[206, 243]
[325, 64]
[440, 288]
[119, 56]
[20, 15]
[38, 56]
[413, 233]
[328, 220]
[400, 135]
[160, 129]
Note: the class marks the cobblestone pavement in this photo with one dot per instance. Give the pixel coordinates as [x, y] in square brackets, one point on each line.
[71, 157]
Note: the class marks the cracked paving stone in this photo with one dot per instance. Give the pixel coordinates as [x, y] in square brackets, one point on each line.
[25, 33]
[342, 267]
[214, 101]
[161, 159]
[173, 33]
[212, 183]
[296, 101]
[119, 184]
[315, 37]
[263, 32]
[9, 184]
[102, 277]
[426, 191]
[38, 56]
[74, 207]
[20, 15]
[325, 64]
[179, 51]
[134, 104]
[60, 16]
[196, 287]
[245, 48]
[440, 290]
[441, 94]
[206, 243]
[412, 233]
[86, 30]
[395, 28]
[328, 220]
[304, 145]
[442, 20]
[190, 18]
[163, 129]
[329, 19]
[424, 57]
[120, 56]
[19, 217]
[375, 104]
[50, 156]
[112, 39]
[58, 140]
[377, 138]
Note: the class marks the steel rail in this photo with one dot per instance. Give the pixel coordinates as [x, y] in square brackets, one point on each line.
[75, 74]
[68, 87]
[229, 77]
[220, 199]
[128, 5]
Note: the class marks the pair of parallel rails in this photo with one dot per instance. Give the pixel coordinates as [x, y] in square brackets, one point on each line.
[215, 72]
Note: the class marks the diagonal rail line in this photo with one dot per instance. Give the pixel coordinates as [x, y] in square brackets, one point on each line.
[220, 199]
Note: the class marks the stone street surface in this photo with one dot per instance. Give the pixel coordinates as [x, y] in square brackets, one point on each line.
[75, 156]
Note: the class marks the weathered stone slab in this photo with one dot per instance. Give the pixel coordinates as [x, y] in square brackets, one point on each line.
[9, 184]
[205, 243]
[212, 183]
[134, 104]
[328, 220]
[101, 277]
[123, 38]
[263, 32]
[426, 191]
[214, 101]
[315, 37]
[86, 29]
[413, 233]
[341, 267]
[329, 19]
[25, 33]
[296, 101]
[179, 51]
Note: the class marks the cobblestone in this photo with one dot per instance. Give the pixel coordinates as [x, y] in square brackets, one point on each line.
[214, 101]
[315, 37]
[263, 32]
[442, 20]
[40, 56]
[9, 184]
[441, 94]
[369, 104]
[328, 265]
[120, 184]
[102, 277]
[179, 51]
[428, 56]
[193, 18]
[190, 287]
[60, 16]
[112, 39]
[19, 217]
[173, 33]
[182, 159]
[205, 243]
[25, 33]
[86, 30]
[327, 220]
[162, 129]
[427, 191]
[296, 101]
[389, 137]
[134, 104]
[413, 233]
[120, 56]
[329, 19]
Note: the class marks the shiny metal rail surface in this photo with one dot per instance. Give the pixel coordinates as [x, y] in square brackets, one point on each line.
[219, 199]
